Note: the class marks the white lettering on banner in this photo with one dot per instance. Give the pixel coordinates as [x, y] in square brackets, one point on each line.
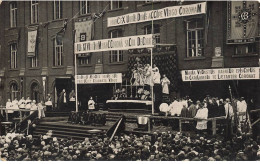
[99, 78]
[123, 43]
[221, 74]
[167, 12]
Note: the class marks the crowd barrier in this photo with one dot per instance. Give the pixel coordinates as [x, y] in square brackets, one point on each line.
[19, 110]
[185, 119]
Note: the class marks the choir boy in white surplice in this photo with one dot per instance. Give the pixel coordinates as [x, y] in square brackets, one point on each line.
[202, 113]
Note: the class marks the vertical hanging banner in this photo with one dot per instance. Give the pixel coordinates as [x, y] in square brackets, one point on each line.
[164, 13]
[242, 21]
[84, 31]
[32, 35]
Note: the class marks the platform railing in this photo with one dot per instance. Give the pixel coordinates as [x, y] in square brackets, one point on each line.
[184, 119]
[22, 125]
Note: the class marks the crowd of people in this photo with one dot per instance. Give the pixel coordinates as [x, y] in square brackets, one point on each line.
[210, 107]
[28, 105]
[164, 146]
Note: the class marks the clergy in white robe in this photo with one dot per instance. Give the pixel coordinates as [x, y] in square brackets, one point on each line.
[9, 105]
[173, 108]
[21, 103]
[241, 111]
[33, 107]
[91, 104]
[164, 108]
[202, 113]
[41, 113]
[165, 84]
[15, 104]
[148, 75]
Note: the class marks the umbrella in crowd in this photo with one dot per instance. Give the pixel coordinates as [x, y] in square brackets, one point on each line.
[156, 147]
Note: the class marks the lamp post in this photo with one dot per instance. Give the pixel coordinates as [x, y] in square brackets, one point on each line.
[76, 85]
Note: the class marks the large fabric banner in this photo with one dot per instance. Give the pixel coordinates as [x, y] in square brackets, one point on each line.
[164, 13]
[99, 78]
[245, 73]
[32, 35]
[123, 43]
[242, 21]
[84, 31]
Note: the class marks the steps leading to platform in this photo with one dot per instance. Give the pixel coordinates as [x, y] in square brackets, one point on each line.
[57, 114]
[57, 122]
[62, 129]
[144, 111]
[110, 116]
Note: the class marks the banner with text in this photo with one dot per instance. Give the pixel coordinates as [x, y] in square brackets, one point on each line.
[123, 43]
[246, 73]
[99, 78]
[167, 12]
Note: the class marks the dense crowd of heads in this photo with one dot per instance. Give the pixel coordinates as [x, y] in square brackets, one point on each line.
[159, 146]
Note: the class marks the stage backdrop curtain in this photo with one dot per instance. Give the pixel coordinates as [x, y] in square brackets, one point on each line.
[167, 64]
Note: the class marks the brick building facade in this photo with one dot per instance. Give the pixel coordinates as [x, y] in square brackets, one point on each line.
[49, 72]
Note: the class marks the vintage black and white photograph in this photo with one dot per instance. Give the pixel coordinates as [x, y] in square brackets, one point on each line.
[125, 80]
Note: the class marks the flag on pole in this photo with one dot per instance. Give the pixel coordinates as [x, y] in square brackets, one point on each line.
[97, 16]
[60, 34]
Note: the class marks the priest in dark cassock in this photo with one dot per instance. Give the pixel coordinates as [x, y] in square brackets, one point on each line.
[192, 110]
[72, 100]
[63, 101]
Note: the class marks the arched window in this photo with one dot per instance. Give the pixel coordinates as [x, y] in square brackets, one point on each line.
[35, 92]
[14, 91]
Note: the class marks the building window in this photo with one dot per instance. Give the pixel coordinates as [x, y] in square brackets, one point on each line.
[13, 56]
[58, 52]
[195, 38]
[34, 11]
[84, 61]
[115, 4]
[116, 56]
[13, 14]
[244, 49]
[156, 31]
[35, 92]
[34, 60]
[14, 91]
[57, 9]
[84, 7]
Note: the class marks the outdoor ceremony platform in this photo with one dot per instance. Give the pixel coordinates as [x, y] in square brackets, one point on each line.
[129, 105]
